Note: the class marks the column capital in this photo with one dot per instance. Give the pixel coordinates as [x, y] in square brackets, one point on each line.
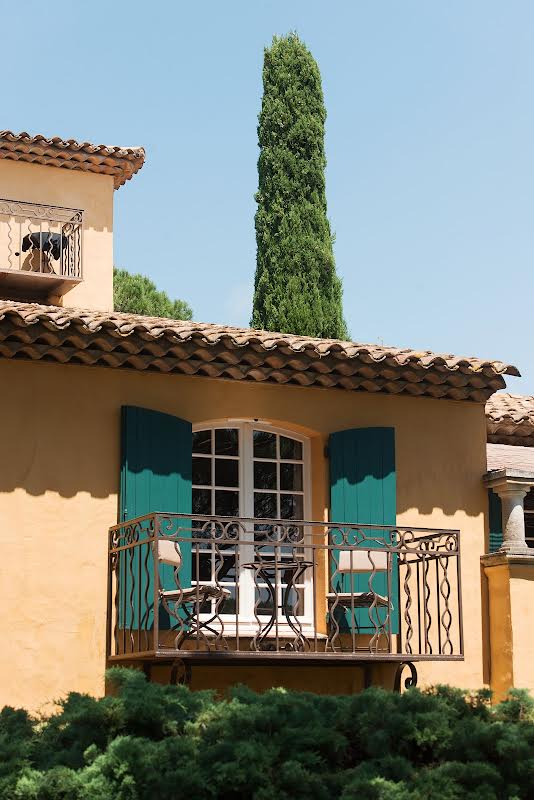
[505, 481]
[512, 488]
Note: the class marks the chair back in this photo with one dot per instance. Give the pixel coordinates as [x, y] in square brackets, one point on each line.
[362, 561]
[168, 552]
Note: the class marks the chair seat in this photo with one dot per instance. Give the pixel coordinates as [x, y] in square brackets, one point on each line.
[205, 592]
[358, 599]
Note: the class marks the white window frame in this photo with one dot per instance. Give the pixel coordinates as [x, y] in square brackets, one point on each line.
[247, 621]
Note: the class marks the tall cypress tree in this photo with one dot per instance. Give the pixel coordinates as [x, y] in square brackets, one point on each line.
[296, 288]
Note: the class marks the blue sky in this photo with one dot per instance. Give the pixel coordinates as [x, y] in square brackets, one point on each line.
[430, 138]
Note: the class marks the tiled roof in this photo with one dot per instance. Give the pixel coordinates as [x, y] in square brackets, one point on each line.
[510, 419]
[510, 457]
[120, 162]
[33, 331]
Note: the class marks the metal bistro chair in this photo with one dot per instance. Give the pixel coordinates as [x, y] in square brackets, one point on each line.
[358, 562]
[188, 600]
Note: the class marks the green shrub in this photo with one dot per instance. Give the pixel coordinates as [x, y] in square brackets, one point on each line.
[146, 741]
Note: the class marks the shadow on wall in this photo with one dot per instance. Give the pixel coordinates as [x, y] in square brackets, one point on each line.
[65, 445]
[63, 435]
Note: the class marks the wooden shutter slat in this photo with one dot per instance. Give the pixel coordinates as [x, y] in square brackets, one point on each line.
[363, 491]
[156, 476]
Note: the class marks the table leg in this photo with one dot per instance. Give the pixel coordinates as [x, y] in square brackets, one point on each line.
[260, 637]
[300, 642]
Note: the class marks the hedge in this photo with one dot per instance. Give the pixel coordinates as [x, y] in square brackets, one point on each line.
[155, 742]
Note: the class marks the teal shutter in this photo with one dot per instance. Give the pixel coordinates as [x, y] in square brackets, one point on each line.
[363, 490]
[155, 476]
[495, 521]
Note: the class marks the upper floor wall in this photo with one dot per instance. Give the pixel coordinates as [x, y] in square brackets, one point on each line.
[56, 219]
[91, 285]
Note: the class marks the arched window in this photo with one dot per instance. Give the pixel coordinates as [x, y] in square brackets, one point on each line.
[249, 469]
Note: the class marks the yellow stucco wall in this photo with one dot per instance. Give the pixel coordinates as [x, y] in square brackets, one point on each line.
[59, 475]
[90, 192]
[511, 596]
[511, 599]
[500, 631]
[521, 605]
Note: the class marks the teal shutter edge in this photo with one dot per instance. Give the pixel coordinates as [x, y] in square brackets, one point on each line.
[363, 490]
[155, 476]
[495, 521]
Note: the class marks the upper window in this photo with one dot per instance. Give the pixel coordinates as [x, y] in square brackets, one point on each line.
[249, 470]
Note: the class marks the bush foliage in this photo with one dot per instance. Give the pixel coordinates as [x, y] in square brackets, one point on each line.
[136, 294]
[148, 741]
[296, 288]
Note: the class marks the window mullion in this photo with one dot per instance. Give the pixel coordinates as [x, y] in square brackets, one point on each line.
[246, 577]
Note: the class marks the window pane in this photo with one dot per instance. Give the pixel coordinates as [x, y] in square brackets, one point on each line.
[226, 442]
[295, 602]
[264, 444]
[227, 569]
[201, 567]
[264, 475]
[226, 472]
[202, 442]
[228, 605]
[265, 506]
[201, 501]
[290, 448]
[264, 601]
[291, 506]
[202, 471]
[291, 476]
[227, 504]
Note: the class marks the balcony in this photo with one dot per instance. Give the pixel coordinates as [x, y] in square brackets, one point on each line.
[40, 249]
[187, 590]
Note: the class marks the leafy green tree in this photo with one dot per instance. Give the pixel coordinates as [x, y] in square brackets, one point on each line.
[296, 287]
[136, 294]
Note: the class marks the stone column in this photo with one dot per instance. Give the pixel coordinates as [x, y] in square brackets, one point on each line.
[512, 494]
[510, 574]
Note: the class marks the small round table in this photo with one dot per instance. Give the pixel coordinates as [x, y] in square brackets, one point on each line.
[270, 573]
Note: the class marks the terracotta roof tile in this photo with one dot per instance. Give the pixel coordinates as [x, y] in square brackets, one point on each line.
[30, 330]
[119, 162]
[511, 457]
[510, 419]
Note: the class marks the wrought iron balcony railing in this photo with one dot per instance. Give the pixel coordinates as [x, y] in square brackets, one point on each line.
[211, 588]
[40, 246]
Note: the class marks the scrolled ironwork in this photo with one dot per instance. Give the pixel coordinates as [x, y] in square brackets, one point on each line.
[41, 238]
[411, 681]
[326, 612]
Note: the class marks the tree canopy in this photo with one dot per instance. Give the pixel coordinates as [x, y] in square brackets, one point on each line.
[296, 289]
[137, 294]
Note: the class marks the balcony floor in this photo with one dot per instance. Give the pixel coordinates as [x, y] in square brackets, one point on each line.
[37, 283]
[264, 657]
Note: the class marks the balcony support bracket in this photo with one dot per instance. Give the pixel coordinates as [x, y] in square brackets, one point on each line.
[410, 682]
[181, 672]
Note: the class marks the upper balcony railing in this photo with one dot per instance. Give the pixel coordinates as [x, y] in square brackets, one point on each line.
[40, 246]
[203, 588]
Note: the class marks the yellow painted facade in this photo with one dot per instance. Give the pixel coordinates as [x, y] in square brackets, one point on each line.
[511, 592]
[59, 480]
[59, 485]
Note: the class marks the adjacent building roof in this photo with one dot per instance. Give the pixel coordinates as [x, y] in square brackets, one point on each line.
[120, 162]
[513, 459]
[48, 333]
[510, 419]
